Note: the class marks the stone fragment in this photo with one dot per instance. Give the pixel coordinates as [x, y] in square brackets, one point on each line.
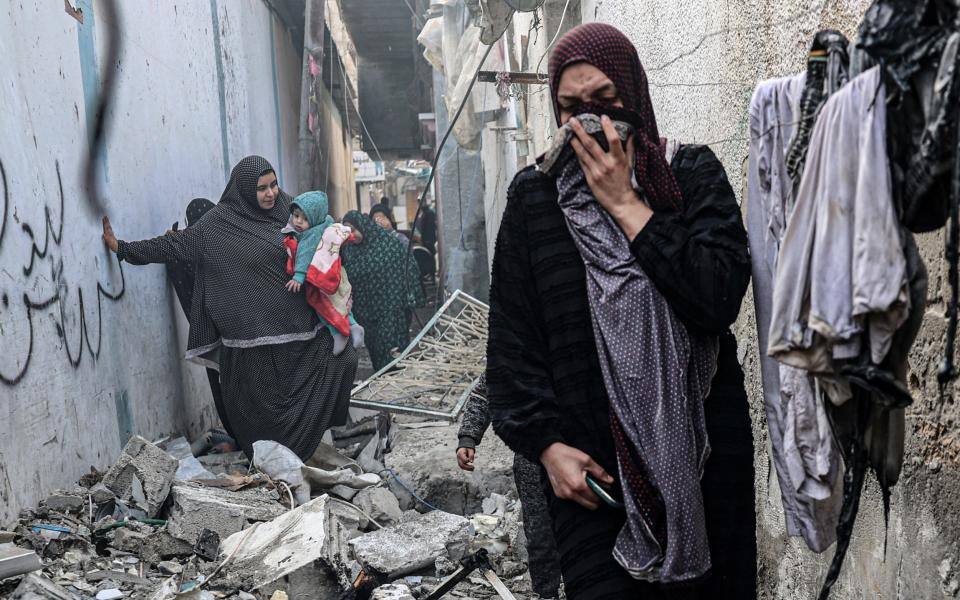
[143, 469]
[168, 567]
[445, 567]
[128, 540]
[64, 502]
[380, 504]
[412, 545]
[208, 545]
[101, 494]
[38, 587]
[196, 508]
[392, 591]
[510, 569]
[160, 545]
[342, 491]
[115, 577]
[111, 594]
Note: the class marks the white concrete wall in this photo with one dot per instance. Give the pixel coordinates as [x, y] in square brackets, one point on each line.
[67, 352]
[704, 60]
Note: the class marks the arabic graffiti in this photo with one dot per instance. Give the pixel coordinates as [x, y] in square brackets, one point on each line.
[65, 301]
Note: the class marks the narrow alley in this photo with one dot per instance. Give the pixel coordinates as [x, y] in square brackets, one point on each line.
[479, 299]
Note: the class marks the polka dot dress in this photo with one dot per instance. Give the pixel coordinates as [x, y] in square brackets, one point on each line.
[280, 380]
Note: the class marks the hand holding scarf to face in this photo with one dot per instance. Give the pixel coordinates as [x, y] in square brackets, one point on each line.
[596, 64]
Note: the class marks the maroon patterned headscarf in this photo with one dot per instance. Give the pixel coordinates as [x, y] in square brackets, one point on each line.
[609, 50]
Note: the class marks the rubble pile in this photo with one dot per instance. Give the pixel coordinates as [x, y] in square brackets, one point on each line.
[162, 523]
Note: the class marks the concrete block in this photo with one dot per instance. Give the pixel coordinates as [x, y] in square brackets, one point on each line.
[412, 545]
[128, 540]
[64, 502]
[195, 508]
[392, 591]
[38, 587]
[161, 545]
[380, 504]
[101, 494]
[17, 561]
[298, 551]
[143, 474]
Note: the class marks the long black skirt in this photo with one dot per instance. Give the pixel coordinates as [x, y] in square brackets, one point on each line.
[289, 393]
[585, 538]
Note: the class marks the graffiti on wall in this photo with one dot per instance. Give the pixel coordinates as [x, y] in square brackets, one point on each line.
[58, 294]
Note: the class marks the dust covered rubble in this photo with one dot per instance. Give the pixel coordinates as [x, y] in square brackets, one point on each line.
[238, 532]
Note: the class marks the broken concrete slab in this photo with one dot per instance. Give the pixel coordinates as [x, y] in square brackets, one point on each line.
[425, 459]
[101, 494]
[302, 545]
[116, 577]
[17, 561]
[128, 540]
[143, 473]
[62, 501]
[169, 567]
[392, 591]
[195, 508]
[160, 545]
[38, 587]
[412, 545]
[380, 504]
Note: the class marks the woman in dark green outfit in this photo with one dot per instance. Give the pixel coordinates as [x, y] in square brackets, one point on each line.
[386, 287]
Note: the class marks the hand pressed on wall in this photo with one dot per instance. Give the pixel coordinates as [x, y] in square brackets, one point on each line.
[108, 236]
[609, 175]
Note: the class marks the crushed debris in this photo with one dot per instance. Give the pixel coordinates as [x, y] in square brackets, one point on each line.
[383, 513]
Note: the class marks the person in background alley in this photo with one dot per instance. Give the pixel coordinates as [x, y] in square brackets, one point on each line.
[428, 228]
[543, 563]
[548, 398]
[182, 275]
[386, 287]
[279, 377]
[383, 216]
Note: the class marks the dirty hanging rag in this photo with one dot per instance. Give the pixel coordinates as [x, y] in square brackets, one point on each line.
[656, 375]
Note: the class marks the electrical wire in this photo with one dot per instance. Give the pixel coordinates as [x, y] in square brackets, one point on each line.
[443, 142]
[343, 74]
[358, 509]
[409, 489]
[563, 16]
[414, 13]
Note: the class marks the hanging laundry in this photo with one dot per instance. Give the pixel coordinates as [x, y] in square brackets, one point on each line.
[841, 271]
[810, 513]
[918, 42]
[827, 72]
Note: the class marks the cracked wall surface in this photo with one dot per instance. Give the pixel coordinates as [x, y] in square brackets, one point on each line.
[704, 60]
